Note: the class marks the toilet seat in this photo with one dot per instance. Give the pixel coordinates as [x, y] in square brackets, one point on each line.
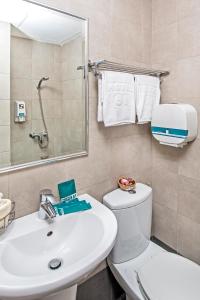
[169, 276]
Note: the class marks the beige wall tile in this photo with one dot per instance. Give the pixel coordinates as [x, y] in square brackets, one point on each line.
[21, 48]
[21, 151]
[20, 132]
[41, 68]
[188, 198]
[133, 159]
[72, 89]
[128, 10]
[69, 69]
[147, 15]
[146, 46]
[129, 37]
[164, 45]
[99, 35]
[164, 157]
[187, 77]
[24, 189]
[165, 191]
[188, 238]
[188, 165]
[187, 8]
[21, 89]
[165, 224]
[164, 13]
[21, 68]
[42, 60]
[99, 190]
[189, 36]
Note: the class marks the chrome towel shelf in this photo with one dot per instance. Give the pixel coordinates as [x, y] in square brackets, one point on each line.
[105, 65]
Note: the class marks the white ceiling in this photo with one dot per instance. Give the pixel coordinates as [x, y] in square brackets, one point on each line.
[39, 23]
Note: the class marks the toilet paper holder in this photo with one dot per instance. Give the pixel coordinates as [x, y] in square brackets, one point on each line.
[8, 219]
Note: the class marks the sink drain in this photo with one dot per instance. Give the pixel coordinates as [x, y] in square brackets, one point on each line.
[55, 263]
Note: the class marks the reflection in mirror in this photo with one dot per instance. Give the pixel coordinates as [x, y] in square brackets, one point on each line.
[43, 96]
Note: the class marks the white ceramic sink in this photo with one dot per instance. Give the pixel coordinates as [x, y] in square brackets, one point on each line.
[80, 240]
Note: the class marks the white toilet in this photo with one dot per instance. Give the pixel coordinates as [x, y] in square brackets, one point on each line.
[143, 269]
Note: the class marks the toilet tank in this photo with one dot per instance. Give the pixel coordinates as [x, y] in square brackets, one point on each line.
[133, 213]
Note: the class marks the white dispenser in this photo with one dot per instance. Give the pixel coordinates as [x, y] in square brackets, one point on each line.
[174, 124]
[20, 111]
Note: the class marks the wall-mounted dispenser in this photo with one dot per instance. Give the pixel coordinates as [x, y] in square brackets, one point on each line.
[20, 111]
[174, 124]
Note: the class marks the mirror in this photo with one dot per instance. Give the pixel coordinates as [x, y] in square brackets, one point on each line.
[43, 93]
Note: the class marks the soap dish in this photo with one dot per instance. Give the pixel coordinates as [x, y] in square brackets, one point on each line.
[126, 187]
[8, 219]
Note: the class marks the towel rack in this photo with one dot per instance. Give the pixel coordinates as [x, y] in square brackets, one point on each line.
[98, 66]
[101, 65]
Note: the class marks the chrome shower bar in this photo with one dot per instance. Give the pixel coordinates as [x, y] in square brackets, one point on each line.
[105, 65]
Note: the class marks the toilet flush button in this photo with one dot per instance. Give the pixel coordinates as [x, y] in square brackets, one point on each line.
[132, 192]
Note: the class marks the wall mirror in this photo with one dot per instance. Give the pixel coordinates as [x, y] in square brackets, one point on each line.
[43, 93]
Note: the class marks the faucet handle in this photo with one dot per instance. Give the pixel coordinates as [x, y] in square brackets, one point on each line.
[46, 192]
[47, 195]
[43, 193]
[49, 209]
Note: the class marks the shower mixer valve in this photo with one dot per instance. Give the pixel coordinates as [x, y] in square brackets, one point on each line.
[40, 137]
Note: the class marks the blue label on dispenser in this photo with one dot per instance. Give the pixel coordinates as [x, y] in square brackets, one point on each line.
[172, 132]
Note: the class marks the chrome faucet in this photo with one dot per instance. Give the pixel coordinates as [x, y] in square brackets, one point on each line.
[46, 210]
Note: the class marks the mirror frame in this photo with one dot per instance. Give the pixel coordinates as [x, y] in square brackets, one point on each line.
[86, 94]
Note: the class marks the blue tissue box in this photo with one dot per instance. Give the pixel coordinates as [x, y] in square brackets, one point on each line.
[67, 190]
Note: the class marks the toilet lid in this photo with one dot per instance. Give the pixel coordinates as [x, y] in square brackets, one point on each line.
[169, 276]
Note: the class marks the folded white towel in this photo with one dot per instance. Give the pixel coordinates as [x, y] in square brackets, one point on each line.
[116, 98]
[100, 101]
[5, 208]
[147, 90]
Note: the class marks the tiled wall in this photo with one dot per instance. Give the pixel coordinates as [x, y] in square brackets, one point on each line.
[116, 33]
[30, 61]
[121, 31]
[4, 94]
[61, 95]
[176, 172]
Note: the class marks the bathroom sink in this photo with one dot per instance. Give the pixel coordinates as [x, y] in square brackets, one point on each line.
[78, 242]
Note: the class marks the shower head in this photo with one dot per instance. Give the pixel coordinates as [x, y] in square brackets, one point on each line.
[40, 82]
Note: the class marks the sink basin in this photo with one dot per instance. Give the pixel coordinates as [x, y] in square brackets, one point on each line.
[79, 242]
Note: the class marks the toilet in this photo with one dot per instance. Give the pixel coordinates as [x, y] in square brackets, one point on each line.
[143, 269]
